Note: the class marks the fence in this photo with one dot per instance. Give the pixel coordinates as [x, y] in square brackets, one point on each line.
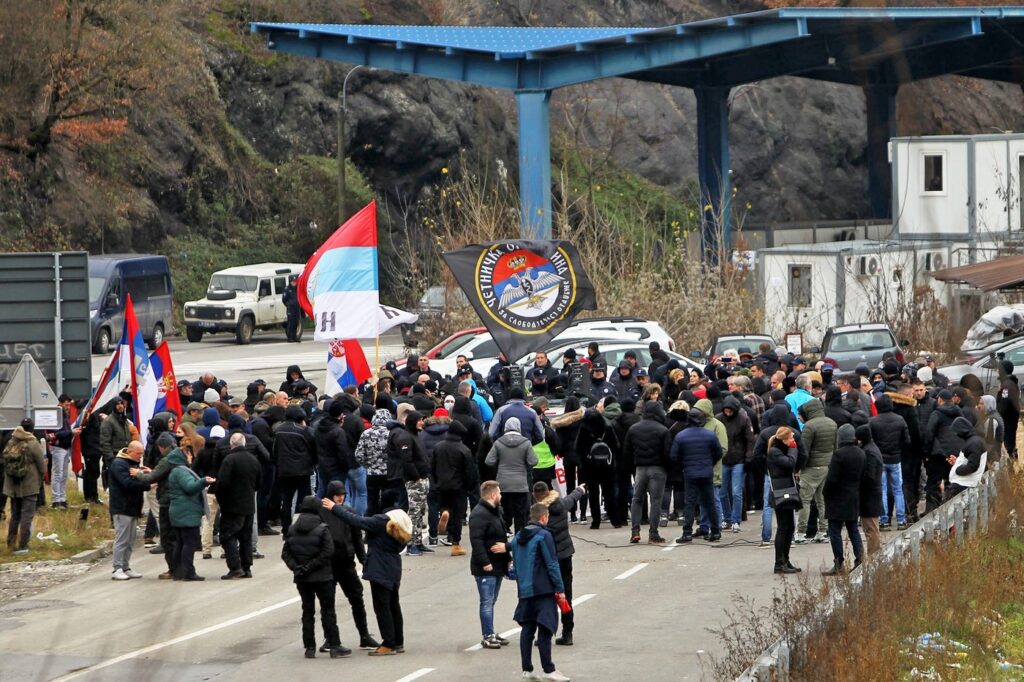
[964, 515]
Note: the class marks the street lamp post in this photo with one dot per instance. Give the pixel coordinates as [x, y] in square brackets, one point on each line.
[342, 111]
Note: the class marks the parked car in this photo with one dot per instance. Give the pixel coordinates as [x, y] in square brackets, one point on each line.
[723, 342]
[432, 303]
[147, 279]
[614, 352]
[986, 367]
[241, 300]
[647, 330]
[851, 344]
[450, 346]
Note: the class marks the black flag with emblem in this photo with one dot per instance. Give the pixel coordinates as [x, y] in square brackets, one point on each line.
[524, 291]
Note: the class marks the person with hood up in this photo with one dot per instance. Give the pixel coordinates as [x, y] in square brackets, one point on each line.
[530, 423]
[658, 358]
[819, 441]
[783, 461]
[293, 375]
[695, 450]
[372, 453]
[454, 471]
[712, 424]
[407, 462]
[24, 469]
[967, 467]
[296, 458]
[211, 418]
[307, 552]
[435, 430]
[892, 437]
[540, 584]
[872, 506]
[775, 417]
[842, 498]
[165, 444]
[834, 408]
[672, 499]
[387, 534]
[1008, 405]
[186, 492]
[620, 417]
[514, 456]
[598, 449]
[626, 387]
[740, 447]
[940, 441]
[567, 428]
[334, 455]
[992, 428]
[468, 389]
[647, 445]
[558, 524]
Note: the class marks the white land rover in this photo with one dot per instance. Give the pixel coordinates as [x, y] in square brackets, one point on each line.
[241, 300]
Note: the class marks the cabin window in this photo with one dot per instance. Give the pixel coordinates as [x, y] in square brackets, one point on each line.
[934, 167]
[800, 286]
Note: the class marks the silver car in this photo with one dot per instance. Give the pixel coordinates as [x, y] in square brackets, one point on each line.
[852, 344]
[986, 367]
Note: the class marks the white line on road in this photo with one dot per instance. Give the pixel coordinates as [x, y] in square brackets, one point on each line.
[669, 548]
[582, 598]
[416, 675]
[177, 640]
[514, 631]
[635, 569]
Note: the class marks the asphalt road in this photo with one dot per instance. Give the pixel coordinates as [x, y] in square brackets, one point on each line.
[265, 358]
[642, 612]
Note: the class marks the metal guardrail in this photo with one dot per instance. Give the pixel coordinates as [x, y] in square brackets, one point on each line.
[965, 514]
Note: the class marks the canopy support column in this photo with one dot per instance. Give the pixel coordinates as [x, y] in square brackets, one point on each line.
[535, 163]
[713, 170]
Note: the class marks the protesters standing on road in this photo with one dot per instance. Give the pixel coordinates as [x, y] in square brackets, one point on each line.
[872, 501]
[842, 498]
[187, 506]
[387, 534]
[454, 470]
[295, 454]
[539, 581]
[558, 524]
[407, 462]
[488, 564]
[819, 442]
[783, 461]
[696, 450]
[238, 479]
[24, 470]
[648, 444]
[165, 444]
[126, 495]
[1008, 405]
[372, 453]
[515, 458]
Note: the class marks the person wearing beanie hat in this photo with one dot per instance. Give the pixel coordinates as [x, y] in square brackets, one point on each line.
[387, 534]
[295, 454]
[1008, 405]
[926, 377]
[842, 498]
[530, 423]
[514, 456]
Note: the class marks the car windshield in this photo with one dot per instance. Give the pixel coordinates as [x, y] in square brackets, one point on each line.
[450, 348]
[736, 342]
[96, 289]
[861, 340]
[233, 282]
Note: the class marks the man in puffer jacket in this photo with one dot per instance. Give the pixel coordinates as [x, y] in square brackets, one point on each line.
[890, 433]
[696, 450]
[515, 458]
[407, 461]
[967, 467]
[940, 441]
[647, 445]
[558, 524]
[453, 471]
[776, 416]
[819, 441]
[711, 423]
[372, 453]
[740, 435]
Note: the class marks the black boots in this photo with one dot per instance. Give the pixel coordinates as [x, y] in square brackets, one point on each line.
[837, 569]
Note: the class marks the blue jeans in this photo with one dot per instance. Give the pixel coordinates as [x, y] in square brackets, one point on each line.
[705, 523]
[766, 513]
[892, 481]
[731, 495]
[488, 586]
[355, 489]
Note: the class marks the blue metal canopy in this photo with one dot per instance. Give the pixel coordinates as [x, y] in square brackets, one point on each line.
[875, 49]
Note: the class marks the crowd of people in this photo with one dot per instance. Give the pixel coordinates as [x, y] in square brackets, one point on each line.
[397, 467]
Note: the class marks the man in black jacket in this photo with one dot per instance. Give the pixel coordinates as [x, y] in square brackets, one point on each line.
[1008, 405]
[408, 462]
[490, 558]
[453, 467]
[262, 432]
[348, 546]
[647, 445]
[238, 479]
[334, 456]
[295, 456]
[558, 525]
[892, 437]
[939, 443]
[126, 495]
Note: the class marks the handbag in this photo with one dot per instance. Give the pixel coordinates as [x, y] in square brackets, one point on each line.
[785, 493]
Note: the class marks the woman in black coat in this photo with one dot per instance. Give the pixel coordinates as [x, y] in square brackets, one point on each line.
[871, 506]
[600, 476]
[783, 453]
[842, 497]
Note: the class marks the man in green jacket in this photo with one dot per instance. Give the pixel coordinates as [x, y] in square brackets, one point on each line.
[165, 444]
[115, 434]
[716, 427]
[187, 506]
[23, 491]
[819, 441]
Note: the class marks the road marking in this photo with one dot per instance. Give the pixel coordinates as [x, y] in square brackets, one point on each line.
[669, 548]
[514, 631]
[635, 569]
[416, 675]
[177, 640]
[582, 598]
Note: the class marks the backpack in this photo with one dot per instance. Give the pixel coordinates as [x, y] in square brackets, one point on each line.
[17, 459]
[600, 454]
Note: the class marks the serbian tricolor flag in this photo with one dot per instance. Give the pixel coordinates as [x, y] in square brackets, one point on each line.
[338, 288]
[346, 366]
[167, 399]
[108, 387]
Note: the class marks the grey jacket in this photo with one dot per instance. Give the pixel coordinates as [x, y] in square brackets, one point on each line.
[514, 456]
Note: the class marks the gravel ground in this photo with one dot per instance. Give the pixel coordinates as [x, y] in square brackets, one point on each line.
[26, 579]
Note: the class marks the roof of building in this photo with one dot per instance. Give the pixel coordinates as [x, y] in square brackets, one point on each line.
[857, 246]
[1000, 273]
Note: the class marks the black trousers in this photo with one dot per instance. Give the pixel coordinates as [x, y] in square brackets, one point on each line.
[1010, 423]
[186, 544]
[937, 470]
[601, 484]
[572, 472]
[700, 491]
[310, 593]
[263, 495]
[786, 529]
[168, 538]
[623, 492]
[455, 502]
[910, 467]
[90, 478]
[236, 540]
[290, 485]
[389, 615]
[516, 508]
[345, 575]
[565, 566]
[376, 485]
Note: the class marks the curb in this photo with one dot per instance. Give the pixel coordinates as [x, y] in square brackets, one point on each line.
[90, 555]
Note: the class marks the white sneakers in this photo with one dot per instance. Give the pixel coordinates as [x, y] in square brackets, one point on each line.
[119, 575]
[554, 676]
[132, 574]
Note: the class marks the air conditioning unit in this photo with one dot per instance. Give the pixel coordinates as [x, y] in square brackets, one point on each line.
[934, 260]
[869, 266]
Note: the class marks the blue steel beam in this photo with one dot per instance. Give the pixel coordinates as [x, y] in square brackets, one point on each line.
[998, 47]
[880, 101]
[535, 163]
[915, 37]
[713, 171]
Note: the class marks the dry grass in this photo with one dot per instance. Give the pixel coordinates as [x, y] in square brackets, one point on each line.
[74, 535]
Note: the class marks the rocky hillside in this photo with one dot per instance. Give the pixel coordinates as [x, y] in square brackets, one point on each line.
[128, 125]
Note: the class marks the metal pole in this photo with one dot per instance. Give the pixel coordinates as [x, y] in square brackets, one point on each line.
[58, 328]
[28, 386]
[342, 113]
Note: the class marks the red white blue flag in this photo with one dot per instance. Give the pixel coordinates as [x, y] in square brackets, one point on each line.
[167, 399]
[346, 366]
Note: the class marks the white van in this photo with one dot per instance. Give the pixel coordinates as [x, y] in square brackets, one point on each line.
[241, 300]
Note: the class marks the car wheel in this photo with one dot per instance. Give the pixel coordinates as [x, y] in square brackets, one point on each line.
[193, 334]
[102, 342]
[244, 330]
[158, 337]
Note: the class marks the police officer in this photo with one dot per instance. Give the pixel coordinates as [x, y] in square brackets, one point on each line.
[290, 298]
